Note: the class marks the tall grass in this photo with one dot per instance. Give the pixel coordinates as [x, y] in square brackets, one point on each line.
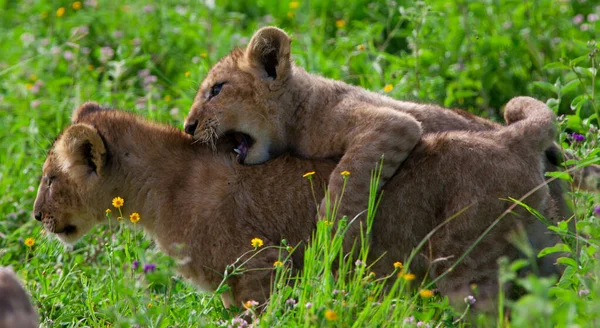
[149, 58]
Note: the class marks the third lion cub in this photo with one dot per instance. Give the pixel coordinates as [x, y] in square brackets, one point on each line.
[271, 106]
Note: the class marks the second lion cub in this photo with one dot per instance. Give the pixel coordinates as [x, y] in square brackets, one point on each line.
[271, 106]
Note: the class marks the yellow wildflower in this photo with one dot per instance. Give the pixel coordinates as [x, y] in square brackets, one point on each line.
[118, 202]
[60, 12]
[134, 217]
[203, 55]
[33, 77]
[398, 265]
[308, 174]
[290, 14]
[372, 274]
[278, 264]
[257, 242]
[330, 315]
[361, 47]
[408, 277]
[340, 23]
[119, 218]
[168, 98]
[90, 67]
[250, 303]
[294, 4]
[425, 293]
[29, 242]
[77, 5]
[345, 173]
[108, 211]
[149, 305]
[28, 86]
[187, 74]
[388, 88]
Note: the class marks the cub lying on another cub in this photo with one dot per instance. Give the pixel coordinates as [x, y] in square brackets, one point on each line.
[271, 106]
[188, 195]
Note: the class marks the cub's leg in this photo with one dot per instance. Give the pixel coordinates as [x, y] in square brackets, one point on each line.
[362, 134]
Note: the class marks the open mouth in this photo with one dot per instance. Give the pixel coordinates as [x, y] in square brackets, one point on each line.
[68, 230]
[242, 144]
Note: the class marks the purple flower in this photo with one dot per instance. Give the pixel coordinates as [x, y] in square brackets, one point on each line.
[470, 300]
[150, 267]
[85, 50]
[597, 210]
[150, 79]
[35, 103]
[583, 292]
[118, 34]
[68, 55]
[308, 305]
[291, 302]
[578, 19]
[410, 319]
[135, 265]
[592, 18]
[148, 9]
[359, 263]
[106, 53]
[136, 41]
[239, 322]
[143, 73]
[336, 291]
[36, 86]
[578, 137]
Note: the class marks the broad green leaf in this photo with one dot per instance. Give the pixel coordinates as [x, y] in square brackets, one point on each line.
[560, 175]
[558, 248]
[567, 261]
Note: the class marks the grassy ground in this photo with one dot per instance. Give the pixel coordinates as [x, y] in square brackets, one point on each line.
[149, 58]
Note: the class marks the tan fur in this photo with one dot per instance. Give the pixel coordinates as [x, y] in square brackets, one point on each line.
[15, 309]
[315, 117]
[205, 207]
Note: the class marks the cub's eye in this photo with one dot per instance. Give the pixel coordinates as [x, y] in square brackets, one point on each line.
[215, 90]
[50, 179]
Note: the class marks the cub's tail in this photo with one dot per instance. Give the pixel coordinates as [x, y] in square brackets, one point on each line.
[530, 126]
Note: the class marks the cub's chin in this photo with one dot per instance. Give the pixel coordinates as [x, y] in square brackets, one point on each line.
[71, 233]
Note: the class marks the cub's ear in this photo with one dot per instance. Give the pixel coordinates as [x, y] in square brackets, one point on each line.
[87, 108]
[269, 53]
[80, 152]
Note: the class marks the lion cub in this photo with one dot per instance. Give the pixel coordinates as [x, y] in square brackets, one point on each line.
[269, 105]
[272, 106]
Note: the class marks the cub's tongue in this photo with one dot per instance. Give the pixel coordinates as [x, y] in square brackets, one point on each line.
[242, 147]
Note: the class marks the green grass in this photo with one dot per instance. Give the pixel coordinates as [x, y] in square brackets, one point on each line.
[149, 59]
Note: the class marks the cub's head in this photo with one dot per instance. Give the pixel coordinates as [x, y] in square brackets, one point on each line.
[242, 97]
[69, 194]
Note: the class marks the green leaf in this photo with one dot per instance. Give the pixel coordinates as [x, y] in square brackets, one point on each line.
[570, 86]
[558, 248]
[578, 102]
[545, 86]
[567, 261]
[578, 60]
[556, 65]
[560, 175]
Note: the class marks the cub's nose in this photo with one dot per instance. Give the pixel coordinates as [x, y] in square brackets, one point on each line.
[190, 128]
[38, 216]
